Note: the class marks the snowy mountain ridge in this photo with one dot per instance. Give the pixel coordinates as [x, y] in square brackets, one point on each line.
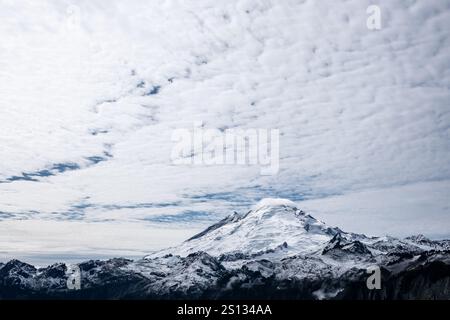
[274, 250]
[270, 224]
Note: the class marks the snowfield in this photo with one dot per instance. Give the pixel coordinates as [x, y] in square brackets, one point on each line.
[272, 224]
[91, 92]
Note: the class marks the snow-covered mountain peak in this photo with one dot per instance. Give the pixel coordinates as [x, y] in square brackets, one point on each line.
[275, 209]
[270, 225]
[276, 229]
[272, 203]
[418, 238]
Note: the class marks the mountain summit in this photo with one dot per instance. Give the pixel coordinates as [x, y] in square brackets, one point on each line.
[276, 229]
[271, 224]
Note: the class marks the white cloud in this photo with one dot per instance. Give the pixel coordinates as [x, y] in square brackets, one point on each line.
[358, 109]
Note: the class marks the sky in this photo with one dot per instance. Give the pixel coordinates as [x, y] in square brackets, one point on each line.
[91, 93]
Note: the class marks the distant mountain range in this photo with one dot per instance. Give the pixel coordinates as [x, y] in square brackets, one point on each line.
[274, 251]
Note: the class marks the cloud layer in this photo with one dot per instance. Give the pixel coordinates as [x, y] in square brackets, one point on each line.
[91, 92]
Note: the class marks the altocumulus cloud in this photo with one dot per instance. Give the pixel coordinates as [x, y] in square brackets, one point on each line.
[91, 92]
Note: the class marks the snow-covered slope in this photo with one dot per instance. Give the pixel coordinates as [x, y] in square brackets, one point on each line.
[271, 224]
[276, 229]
